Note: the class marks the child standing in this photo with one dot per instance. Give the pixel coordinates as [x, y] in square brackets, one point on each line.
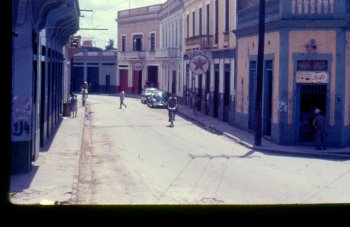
[74, 105]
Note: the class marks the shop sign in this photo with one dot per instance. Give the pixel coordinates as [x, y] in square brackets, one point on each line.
[138, 66]
[199, 64]
[307, 77]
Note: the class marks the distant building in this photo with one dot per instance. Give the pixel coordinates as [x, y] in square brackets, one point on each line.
[98, 68]
[138, 40]
[87, 43]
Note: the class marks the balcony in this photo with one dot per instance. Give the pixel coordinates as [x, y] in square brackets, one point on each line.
[199, 42]
[291, 10]
[171, 52]
[129, 55]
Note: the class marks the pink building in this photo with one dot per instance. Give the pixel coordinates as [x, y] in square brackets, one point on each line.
[138, 39]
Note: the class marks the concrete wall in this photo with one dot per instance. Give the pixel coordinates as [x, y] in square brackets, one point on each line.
[347, 82]
[248, 50]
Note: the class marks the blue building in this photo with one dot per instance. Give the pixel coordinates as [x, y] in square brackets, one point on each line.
[42, 29]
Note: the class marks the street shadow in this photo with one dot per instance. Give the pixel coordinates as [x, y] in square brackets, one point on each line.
[249, 154]
[22, 181]
[325, 157]
[47, 146]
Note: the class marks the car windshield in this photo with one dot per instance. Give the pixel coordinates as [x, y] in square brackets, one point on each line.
[149, 90]
[160, 95]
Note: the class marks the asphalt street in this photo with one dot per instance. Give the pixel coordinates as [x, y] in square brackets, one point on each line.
[133, 157]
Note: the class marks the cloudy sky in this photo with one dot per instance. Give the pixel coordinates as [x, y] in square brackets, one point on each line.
[103, 16]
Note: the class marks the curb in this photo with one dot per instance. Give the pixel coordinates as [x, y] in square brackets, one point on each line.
[336, 156]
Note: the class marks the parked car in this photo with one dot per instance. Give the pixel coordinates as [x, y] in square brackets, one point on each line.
[158, 99]
[146, 93]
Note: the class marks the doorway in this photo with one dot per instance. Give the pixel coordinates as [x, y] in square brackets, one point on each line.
[123, 80]
[108, 84]
[227, 69]
[311, 96]
[152, 73]
[267, 98]
[92, 79]
[137, 82]
[216, 90]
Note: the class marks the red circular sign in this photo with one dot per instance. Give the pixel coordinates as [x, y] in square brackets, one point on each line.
[199, 64]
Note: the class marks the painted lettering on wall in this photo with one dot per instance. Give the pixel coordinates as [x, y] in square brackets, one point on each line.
[21, 118]
[312, 77]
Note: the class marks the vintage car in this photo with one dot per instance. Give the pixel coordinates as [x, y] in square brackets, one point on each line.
[158, 98]
[146, 93]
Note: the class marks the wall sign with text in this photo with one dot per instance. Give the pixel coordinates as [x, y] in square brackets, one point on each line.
[309, 77]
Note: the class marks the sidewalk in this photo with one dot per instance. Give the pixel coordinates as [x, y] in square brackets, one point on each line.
[56, 170]
[246, 138]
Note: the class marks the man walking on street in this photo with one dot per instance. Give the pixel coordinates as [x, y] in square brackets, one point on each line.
[122, 96]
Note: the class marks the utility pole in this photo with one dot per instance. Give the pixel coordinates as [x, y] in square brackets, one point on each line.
[260, 72]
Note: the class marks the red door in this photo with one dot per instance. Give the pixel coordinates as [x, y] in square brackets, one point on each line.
[123, 80]
[135, 83]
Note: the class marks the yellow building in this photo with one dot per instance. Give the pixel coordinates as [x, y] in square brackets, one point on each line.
[208, 26]
[306, 66]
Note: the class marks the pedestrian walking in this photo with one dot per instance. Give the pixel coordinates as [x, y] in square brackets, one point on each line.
[122, 97]
[207, 102]
[319, 124]
[193, 99]
[196, 103]
[74, 105]
[84, 95]
[84, 85]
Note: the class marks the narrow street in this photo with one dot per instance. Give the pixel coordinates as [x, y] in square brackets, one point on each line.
[131, 156]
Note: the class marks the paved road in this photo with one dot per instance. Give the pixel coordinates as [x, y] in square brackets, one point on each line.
[131, 156]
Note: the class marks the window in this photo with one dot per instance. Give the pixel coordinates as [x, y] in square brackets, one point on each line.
[153, 42]
[193, 24]
[123, 43]
[227, 15]
[216, 21]
[188, 25]
[200, 21]
[208, 19]
[312, 65]
[137, 42]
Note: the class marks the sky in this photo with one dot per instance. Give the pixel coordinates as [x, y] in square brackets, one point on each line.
[103, 16]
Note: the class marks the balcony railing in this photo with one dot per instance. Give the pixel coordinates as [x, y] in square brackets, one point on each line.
[200, 42]
[295, 9]
[171, 52]
[131, 55]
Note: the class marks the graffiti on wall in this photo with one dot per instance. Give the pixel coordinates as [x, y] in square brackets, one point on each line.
[21, 118]
[283, 105]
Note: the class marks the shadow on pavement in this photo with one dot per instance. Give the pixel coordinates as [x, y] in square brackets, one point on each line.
[20, 182]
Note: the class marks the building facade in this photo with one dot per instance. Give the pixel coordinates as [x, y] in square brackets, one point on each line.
[42, 29]
[171, 42]
[306, 66]
[208, 26]
[138, 40]
[98, 69]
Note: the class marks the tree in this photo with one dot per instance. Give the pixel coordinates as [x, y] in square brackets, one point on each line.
[110, 45]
